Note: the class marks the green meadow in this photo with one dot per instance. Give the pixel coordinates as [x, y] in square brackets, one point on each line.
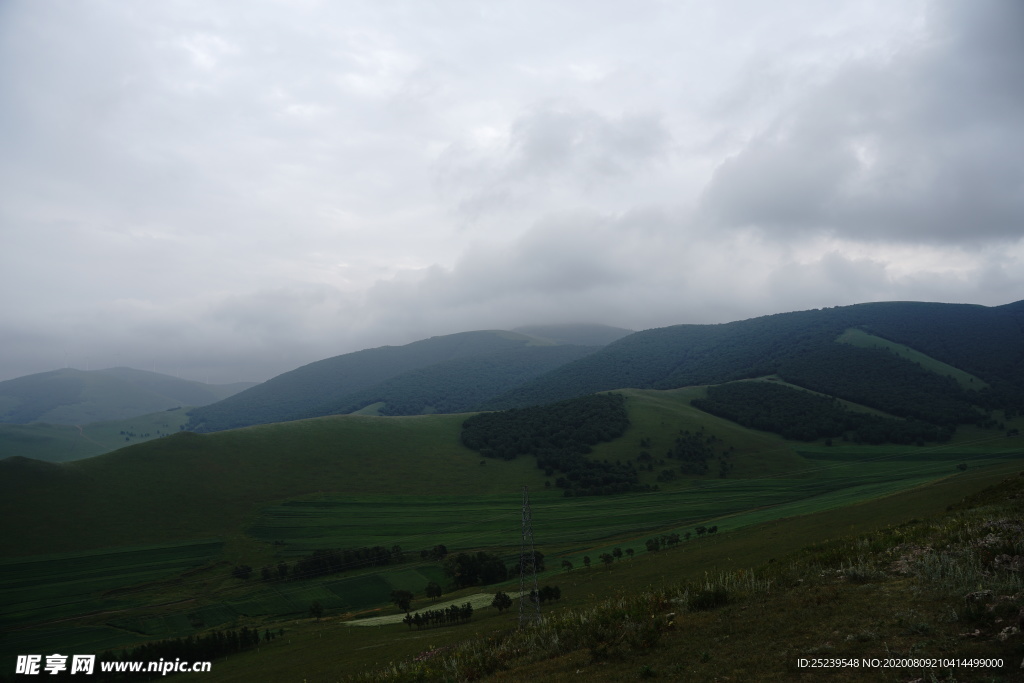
[147, 535]
[63, 443]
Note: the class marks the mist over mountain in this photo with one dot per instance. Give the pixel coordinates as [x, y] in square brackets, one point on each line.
[579, 333]
[325, 386]
[843, 351]
[70, 396]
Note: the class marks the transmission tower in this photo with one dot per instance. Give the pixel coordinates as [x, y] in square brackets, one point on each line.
[528, 592]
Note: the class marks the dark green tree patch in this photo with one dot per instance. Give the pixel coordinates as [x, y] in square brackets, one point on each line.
[469, 569]
[804, 416]
[559, 436]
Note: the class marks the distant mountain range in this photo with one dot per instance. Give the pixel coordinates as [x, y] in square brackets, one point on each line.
[894, 356]
[70, 396]
[942, 363]
[450, 373]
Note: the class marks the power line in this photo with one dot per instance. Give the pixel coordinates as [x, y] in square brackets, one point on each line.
[528, 557]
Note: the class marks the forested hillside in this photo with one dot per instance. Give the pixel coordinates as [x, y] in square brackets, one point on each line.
[559, 435]
[459, 385]
[805, 416]
[332, 385]
[987, 342]
[494, 370]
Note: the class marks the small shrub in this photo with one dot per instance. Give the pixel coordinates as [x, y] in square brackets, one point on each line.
[708, 599]
[647, 672]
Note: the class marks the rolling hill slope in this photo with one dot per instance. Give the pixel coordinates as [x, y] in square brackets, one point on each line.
[70, 396]
[347, 382]
[985, 342]
[63, 443]
[458, 385]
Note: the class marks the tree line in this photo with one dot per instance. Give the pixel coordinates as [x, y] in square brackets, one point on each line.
[326, 561]
[454, 614]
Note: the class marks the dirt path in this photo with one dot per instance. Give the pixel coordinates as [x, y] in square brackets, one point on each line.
[477, 600]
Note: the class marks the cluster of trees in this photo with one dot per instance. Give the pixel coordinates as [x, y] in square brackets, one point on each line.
[454, 614]
[502, 601]
[559, 436]
[537, 563]
[693, 450]
[546, 594]
[403, 598]
[438, 552]
[325, 561]
[128, 435]
[571, 426]
[805, 416]
[480, 568]
[657, 543]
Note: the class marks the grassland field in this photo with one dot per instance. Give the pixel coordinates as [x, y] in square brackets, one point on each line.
[63, 443]
[326, 650]
[204, 503]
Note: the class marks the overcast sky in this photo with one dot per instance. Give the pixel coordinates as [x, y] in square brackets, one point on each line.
[227, 190]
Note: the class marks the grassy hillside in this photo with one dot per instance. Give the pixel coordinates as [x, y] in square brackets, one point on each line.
[71, 397]
[770, 554]
[159, 525]
[858, 584]
[62, 443]
[326, 386]
[188, 484]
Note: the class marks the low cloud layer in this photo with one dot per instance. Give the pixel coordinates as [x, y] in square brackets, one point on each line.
[226, 195]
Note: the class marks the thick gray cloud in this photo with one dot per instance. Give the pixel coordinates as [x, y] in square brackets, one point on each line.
[227, 192]
[923, 145]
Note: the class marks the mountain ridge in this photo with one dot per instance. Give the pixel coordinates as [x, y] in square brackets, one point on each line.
[70, 396]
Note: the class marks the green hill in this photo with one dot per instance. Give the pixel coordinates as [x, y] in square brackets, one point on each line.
[70, 396]
[459, 385]
[183, 534]
[986, 343]
[139, 544]
[150, 533]
[927, 361]
[62, 443]
[349, 382]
